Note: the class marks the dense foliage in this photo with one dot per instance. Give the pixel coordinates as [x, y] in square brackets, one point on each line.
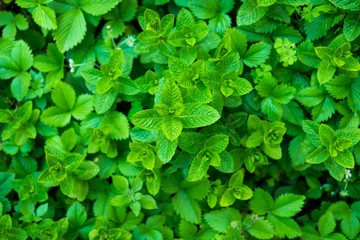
[179, 119]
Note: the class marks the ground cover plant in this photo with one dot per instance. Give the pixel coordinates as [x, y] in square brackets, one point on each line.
[179, 119]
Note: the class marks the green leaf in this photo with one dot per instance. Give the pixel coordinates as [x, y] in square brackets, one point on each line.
[318, 156]
[349, 133]
[148, 202]
[352, 5]
[199, 165]
[170, 94]
[287, 205]
[45, 17]
[220, 220]
[68, 139]
[285, 227]
[325, 72]
[5, 183]
[87, 170]
[317, 28]
[250, 13]
[265, 3]
[345, 159]
[120, 183]
[186, 207]
[351, 26]
[8, 68]
[198, 115]
[98, 7]
[326, 224]
[217, 143]
[76, 214]
[208, 9]
[184, 18]
[71, 29]
[262, 202]
[52, 63]
[83, 106]
[335, 170]
[172, 128]
[327, 135]
[257, 54]
[64, 96]
[148, 119]
[191, 142]
[56, 117]
[115, 125]
[20, 85]
[22, 56]
[261, 229]
[103, 102]
[165, 148]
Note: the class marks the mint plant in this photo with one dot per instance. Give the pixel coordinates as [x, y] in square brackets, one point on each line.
[183, 119]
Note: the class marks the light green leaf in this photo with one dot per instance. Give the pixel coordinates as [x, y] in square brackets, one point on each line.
[83, 106]
[287, 205]
[5, 183]
[261, 229]
[56, 117]
[45, 17]
[98, 7]
[187, 207]
[220, 220]
[22, 56]
[77, 214]
[327, 135]
[199, 166]
[265, 3]
[115, 125]
[326, 224]
[285, 227]
[257, 54]
[103, 102]
[172, 128]
[261, 202]
[198, 115]
[318, 156]
[71, 29]
[20, 85]
[250, 13]
[64, 96]
[325, 72]
[345, 159]
[148, 202]
[148, 119]
[171, 94]
[165, 148]
[217, 143]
